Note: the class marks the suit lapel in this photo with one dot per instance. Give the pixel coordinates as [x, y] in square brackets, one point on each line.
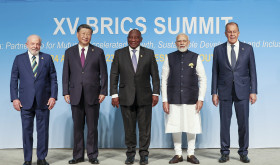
[41, 64]
[90, 54]
[77, 56]
[140, 59]
[226, 55]
[240, 53]
[28, 65]
[128, 57]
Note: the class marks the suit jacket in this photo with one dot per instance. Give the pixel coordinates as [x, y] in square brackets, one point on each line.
[134, 85]
[43, 87]
[243, 75]
[92, 79]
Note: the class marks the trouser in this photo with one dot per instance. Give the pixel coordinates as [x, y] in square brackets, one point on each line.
[42, 128]
[242, 115]
[89, 113]
[131, 115]
[177, 140]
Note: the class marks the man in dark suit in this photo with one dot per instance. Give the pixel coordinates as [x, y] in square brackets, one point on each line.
[34, 96]
[234, 80]
[133, 66]
[85, 83]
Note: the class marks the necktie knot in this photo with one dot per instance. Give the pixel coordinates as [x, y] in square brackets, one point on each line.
[133, 50]
[83, 49]
[33, 57]
[232, 46]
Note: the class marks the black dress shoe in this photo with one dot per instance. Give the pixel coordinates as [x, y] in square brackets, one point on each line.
[42, 162]
[224, 158]
[176, 159]
[94, 161]
[129, 160]
[27, 163]
[244, 159]
[143, 160]
[75, 161]
[192, 159]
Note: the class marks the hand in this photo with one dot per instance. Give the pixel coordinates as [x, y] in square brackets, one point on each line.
[198, 105]
[67, 98]
[253, 98]
[17, 104]
[155, 100]
[115, 102]
[215, 99]
[101, 98]
[166, 107]
[51, 103]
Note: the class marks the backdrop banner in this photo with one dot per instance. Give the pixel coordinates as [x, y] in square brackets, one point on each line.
[159, 22]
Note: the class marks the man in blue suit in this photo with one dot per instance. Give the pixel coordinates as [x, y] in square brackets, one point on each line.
[35, 95]
[234, 80]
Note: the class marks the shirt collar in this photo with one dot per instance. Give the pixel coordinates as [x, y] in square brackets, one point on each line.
[31, 55]
[235, 44]
[137, 49]
[80, 47]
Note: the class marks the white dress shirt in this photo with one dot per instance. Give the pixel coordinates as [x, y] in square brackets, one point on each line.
[136, 53]
[30, 58]
[236, 49]
[85, 51]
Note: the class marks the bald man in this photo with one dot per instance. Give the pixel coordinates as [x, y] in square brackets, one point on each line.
[183, 90]
[33, 90]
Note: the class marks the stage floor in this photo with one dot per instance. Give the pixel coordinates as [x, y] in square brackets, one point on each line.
[264, 156]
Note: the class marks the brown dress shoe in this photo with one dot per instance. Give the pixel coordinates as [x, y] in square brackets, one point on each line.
[193, 159]
[176, 159]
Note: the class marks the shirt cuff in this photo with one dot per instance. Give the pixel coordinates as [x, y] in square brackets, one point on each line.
[115, 96]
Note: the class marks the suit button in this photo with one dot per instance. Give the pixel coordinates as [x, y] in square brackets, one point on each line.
[181, 90]
[83, 72]
[182, 62]
[182, 76]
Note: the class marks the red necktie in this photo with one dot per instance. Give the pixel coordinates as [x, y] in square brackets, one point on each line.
[83, 57]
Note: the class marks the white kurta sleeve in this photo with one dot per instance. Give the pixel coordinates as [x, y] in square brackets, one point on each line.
[202, 79]
[164, 79]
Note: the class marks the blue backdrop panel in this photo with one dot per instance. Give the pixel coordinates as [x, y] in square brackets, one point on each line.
[159, 22]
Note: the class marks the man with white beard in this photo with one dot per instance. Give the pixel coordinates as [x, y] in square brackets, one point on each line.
[183, 90]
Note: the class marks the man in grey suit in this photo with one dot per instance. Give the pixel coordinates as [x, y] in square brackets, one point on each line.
[85, 83]
[131, 70]
[234, 80]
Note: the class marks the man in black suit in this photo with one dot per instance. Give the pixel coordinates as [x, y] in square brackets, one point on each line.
[133, 66]
[85, 83]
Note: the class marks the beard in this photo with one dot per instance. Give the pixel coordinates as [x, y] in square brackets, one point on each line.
[34, 52]
[182, 49]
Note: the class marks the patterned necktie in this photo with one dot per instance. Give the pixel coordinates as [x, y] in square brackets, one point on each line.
[233, 57]
[134, 60]
[83, 57]
[34, 65]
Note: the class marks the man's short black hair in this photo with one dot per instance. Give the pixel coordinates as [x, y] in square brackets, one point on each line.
[84, 26]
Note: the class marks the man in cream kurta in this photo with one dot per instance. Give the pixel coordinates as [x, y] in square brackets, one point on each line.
[183, 90]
